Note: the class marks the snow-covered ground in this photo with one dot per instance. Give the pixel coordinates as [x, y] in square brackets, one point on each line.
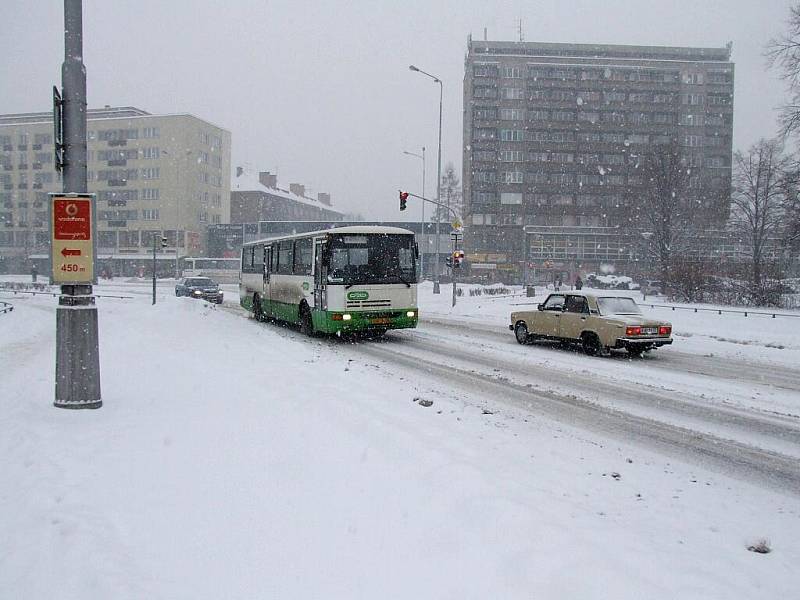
[233, 459]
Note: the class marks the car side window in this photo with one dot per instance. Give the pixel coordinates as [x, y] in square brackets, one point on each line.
[554, 303]
[576, 304]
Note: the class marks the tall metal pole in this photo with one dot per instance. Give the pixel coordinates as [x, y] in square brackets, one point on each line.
[438, 189]
[77, 345]
[438, 173]
[154, 268]
[422, 256]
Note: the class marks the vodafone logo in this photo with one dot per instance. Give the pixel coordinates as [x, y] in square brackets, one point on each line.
[71, 210]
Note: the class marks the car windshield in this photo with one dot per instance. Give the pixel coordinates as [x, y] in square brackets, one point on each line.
[613, 305]
[199, 282]
[385, 258]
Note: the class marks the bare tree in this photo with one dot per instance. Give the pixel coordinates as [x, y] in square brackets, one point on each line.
[783, 53]
[666, 212]
[451, 194]
[761, 180]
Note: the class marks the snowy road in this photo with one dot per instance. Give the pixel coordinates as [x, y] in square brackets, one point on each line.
[697, 409]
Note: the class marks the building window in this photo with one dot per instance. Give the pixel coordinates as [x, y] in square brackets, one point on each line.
[484, 92]
[150, 132]
[511, 198]
[511, 135]
[692, 99]
[484, 133]
[151, 173]
[510, 93]
[480, 70]
[152, 152]
[511, 177]
[511, 156]
[692, 141]
[512, 114]
[512, 72]
[150, 214]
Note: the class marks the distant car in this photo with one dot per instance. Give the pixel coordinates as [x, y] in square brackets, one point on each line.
[199, 287]
[597, 323]
[651, 287]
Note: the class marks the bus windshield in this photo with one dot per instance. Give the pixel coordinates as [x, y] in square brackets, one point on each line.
[370, 258]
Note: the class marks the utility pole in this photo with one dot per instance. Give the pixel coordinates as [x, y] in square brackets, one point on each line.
[77, 344]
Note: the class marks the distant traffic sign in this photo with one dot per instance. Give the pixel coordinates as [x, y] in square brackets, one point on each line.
[72, 238]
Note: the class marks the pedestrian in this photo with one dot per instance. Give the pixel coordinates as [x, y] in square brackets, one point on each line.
[34, 273]
[558, 284]
[578, 282]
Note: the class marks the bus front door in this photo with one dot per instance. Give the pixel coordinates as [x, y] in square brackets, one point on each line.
[320, 275]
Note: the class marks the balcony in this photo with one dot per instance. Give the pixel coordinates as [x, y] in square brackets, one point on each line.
[117, 162]
[117, 223]
[117, 182]
[118, 203]
[117, 142]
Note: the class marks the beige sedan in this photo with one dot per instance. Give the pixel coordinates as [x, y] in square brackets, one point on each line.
[597, 323]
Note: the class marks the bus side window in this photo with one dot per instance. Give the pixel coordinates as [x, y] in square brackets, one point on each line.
[274, 259]
[267, 259]
[258, 259]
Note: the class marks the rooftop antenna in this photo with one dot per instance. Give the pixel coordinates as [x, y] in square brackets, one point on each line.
[521, 31]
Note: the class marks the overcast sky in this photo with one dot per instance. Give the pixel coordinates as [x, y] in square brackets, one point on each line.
[321, 91]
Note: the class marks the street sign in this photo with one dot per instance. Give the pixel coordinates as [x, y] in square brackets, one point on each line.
[72, 238]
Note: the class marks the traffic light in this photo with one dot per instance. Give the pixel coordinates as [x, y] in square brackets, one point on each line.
[163, 242]
[458, 258]
[403, 198]
[449, 261]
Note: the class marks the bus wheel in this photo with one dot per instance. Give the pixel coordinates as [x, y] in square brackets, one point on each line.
[257, 312]
[306, 323]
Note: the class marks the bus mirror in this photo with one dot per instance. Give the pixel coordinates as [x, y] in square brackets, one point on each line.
[416, 250]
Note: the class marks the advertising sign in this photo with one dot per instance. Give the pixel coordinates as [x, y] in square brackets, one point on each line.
[72, 238]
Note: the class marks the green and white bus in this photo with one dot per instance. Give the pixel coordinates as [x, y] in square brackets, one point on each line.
[340, 280]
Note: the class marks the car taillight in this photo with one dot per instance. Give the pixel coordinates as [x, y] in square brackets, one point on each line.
[664, 330]
[633, 330]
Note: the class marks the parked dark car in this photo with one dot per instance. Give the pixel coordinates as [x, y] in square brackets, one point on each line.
[199, 287]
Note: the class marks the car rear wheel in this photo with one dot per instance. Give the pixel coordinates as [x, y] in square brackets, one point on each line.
[521, 333]
[591, 344]
[636, 351]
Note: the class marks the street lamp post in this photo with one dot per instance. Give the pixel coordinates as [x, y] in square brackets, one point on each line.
[422, 219]
[438, 174]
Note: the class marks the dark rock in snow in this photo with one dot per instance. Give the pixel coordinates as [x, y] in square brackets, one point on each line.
[426, 403]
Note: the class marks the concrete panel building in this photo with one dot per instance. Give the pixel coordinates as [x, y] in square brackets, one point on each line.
[153, 175]
[554, 135]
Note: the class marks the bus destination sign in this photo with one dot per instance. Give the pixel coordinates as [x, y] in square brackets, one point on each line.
[72, 230]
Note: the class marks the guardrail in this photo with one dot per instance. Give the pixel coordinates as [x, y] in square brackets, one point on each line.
[5, 307]
[722, 310]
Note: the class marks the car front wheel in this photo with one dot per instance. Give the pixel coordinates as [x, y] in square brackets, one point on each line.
[521, 333]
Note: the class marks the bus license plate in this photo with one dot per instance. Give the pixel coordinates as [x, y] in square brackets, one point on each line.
[381, 321]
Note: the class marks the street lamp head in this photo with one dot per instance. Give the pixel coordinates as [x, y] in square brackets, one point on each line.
[413, 68]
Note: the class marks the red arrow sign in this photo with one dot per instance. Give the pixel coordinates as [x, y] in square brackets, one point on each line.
[70, 252]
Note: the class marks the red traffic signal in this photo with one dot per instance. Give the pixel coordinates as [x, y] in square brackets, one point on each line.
[403, 198]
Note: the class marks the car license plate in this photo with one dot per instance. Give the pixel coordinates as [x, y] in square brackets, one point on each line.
[649, 330]
[380, 321]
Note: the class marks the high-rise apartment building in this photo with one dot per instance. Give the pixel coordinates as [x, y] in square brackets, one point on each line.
[555, 136]
[153, 175]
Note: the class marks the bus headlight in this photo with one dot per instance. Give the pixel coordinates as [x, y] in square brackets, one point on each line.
[346, 317]
[410, 313]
